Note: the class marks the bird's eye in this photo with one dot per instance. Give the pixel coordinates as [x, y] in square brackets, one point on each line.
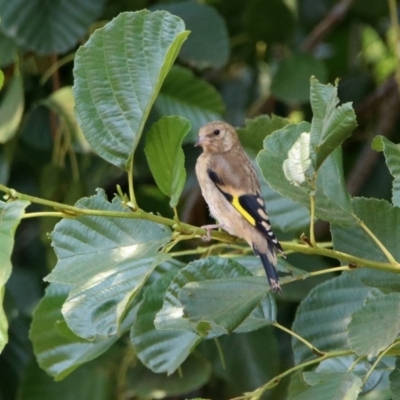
[216, 132]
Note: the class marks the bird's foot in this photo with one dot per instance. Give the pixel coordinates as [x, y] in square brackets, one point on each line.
[209, 228]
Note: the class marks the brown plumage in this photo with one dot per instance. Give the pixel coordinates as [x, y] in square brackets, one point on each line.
[231, 189]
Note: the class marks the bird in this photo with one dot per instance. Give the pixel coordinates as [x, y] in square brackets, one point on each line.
[230, 187]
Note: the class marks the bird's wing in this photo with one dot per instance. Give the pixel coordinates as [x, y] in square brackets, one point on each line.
[250, 205]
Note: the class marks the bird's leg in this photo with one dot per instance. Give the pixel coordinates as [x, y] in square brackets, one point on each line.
[209, 228]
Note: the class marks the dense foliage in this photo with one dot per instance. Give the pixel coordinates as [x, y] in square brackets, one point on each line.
[98, 117]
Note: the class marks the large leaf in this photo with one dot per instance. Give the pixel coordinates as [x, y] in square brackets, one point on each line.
[159, 350]
[171, 316]
[375, 325]
[58, 350]
[10, 217]
[382, 219]
[106, 260]
[323, 316]
[392, 155]
[48, 27]
[118, 74]
[11, 109]
[165, 155]
[224, 302]
[208, 43]
[331, 199]
[331, 125]
[331, 386]
[187, 96]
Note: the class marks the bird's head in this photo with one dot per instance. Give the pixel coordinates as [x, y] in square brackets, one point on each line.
[217, 137]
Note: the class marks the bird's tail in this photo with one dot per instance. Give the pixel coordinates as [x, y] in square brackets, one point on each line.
[268, 262]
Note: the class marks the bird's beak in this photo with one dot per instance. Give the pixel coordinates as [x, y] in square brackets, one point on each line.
[200, 141]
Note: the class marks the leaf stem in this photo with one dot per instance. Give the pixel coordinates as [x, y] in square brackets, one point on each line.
[301, 339]
[45, 214]
[220, 353]
[385, 251]
[378, 359]
[194, 231]
[132, 197]
[312, 217]
[256, 394]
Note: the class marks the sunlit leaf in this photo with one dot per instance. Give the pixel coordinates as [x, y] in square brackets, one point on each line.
[118, 255]
[118, 74]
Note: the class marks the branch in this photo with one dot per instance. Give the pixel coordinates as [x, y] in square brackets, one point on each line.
[335, 15]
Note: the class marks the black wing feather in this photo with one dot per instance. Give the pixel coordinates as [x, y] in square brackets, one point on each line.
[252, 204]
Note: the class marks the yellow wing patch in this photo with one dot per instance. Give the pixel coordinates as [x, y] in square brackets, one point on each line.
[235, 202]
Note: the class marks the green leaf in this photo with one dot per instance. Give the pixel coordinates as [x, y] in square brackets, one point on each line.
[208, 43]
[285, 214]
[91, 381]
[10, 217]
[62, 103]
[375, 325]
[382, 219]
[192, 98]
[1, 79]
[118, 255]
[11, 109]
[165, 155]
[360, 368]
[195, 372]
[291, 81]
[255, 131]
[330, 125]
[171, 316]
[159, 350]
[331, 304]
[115, 92]
[394, 378]
[224, 302]
[48, 27]
[383, 280]
[57, 349]
[392, 155]
[331, 386]
[331, 199]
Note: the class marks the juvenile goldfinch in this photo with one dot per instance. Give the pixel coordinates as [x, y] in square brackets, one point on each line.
[230, 186]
